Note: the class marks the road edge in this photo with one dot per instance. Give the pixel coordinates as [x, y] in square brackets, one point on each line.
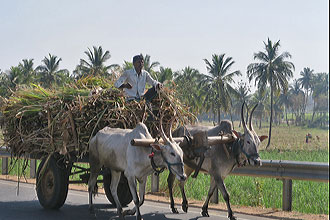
[160, 197]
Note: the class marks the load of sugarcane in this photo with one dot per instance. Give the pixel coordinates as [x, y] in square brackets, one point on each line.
[35, 120]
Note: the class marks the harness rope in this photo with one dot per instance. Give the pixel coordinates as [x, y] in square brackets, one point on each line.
[238, 148]
[159, 169]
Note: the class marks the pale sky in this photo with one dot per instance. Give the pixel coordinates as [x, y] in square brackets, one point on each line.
[176, 33]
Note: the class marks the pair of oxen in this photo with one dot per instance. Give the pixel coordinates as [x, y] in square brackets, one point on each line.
[112, 148]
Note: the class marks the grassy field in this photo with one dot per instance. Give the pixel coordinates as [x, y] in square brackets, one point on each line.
[288, 143]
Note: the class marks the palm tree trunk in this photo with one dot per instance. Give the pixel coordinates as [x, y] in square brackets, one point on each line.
[305, 106]
[271, 113]
[231, 118]
[218, 96]
[214, 116]
[313, 111]
[286, 117]
[219, 119]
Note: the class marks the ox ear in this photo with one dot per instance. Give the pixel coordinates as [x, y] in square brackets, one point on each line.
[156, 146]
[237, 134]
[263, 137]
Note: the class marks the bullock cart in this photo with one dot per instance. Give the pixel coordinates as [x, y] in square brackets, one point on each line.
[55, 126]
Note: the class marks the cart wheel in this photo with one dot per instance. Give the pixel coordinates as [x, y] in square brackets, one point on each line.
[123, 191]
[52, 184]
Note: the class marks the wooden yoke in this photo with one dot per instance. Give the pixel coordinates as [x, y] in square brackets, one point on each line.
[213, 140]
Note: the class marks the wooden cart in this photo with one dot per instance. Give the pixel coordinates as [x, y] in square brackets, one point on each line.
[53, 180]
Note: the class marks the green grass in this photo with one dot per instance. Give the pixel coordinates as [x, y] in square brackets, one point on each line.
[296, 155]
[308, 197]
[15, 167]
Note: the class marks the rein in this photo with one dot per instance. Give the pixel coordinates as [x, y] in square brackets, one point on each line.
[156, 168]
[238, 148]
[159, 169]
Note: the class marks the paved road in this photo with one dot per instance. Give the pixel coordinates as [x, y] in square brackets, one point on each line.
[26, 206]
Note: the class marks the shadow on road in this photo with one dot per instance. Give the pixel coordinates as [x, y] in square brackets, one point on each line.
[33, 210]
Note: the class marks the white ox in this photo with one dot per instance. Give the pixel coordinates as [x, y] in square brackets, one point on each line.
[111, 148]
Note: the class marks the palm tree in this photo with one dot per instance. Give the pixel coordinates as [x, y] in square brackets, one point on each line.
[207, 96]
[9, 80]
[320, 86]
[272, 70]
[306, 82]
[165, 74]
[149, 66]
[50, 73]
[95, 65]
[186, 82]
[243, 96]
[285, 100]
[278, 109]
[297, 99]
[127, 65]
[14, 76]
[258, 98]
[4, 84]
[218, 82]
[28, 72]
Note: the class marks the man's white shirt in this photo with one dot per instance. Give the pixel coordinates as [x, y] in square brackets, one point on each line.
[138, 83]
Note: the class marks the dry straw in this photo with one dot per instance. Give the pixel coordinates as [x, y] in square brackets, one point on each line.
[43, 121]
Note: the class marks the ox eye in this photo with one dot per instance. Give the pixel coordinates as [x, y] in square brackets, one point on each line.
[173, 154]
[248, 142]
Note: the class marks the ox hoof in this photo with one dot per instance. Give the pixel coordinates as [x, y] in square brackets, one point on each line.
[129, 212]
[232, 217]
[205, 213]
[91, 210]
[185, 207]
[175, 210]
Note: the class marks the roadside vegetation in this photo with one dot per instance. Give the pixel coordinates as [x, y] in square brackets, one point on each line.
[288, 110]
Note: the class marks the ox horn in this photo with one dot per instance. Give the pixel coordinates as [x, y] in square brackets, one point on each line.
[242, 117]
[162, 133]
[170, 129]
[250, 119]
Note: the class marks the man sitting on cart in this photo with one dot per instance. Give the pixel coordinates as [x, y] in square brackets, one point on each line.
[133, 82]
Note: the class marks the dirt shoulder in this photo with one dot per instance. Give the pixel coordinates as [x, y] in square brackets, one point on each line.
[257, 211]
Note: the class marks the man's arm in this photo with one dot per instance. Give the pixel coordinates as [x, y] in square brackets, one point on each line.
[153, 82]
[121, 82]
[125, 85]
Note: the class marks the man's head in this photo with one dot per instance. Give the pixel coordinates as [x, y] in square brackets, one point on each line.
[138, 63]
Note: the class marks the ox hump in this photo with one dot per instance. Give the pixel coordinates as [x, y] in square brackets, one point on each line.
[141, 129]
[108, 130]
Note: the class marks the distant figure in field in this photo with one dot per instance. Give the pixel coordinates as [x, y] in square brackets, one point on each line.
[308, 137]
[317, 138]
